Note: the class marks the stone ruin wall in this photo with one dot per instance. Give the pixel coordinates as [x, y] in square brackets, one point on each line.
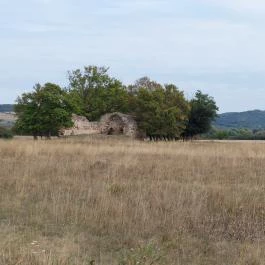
[121, 124]
[82, 126]
[113, 123]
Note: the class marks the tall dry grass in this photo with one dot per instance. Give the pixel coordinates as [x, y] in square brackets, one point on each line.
[115, 201]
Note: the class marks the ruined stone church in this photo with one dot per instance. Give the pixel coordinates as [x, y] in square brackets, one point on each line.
[109, 124]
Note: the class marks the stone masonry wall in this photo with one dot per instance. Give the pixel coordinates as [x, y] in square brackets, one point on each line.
[82, 126]
[112, 123]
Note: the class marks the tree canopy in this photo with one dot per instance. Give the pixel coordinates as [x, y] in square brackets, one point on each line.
[44, 111]
[98, 93]
[203, 111]
[160, 110]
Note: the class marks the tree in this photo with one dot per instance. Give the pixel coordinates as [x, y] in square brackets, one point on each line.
[44, 111]
[203, 112]
[144, 82]
[161, 112]
[98, 93]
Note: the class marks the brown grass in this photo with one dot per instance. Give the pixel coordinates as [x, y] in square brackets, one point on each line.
[115, 201]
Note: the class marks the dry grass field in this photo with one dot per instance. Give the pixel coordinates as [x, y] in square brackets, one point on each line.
[84, 201]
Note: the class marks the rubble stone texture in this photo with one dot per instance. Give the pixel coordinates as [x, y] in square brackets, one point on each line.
[82, 126]
[118, 124]
[109, 124]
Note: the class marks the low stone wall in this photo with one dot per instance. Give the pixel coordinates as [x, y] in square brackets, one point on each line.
[82, 126]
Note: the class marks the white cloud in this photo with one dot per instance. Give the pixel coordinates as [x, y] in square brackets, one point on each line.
[194, 43]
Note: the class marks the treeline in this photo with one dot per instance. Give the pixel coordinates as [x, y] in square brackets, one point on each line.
[235, 134]
[160, 110]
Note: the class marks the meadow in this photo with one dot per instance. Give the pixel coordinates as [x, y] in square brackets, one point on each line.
[104, 201]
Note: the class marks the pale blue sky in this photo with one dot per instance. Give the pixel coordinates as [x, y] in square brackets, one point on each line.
[213, 45]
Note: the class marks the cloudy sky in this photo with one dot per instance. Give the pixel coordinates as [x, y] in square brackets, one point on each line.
[213, 45]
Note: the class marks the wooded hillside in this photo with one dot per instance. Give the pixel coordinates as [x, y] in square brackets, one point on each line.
[254, 119]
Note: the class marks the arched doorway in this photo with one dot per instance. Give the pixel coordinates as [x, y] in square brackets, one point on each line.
[115, 125]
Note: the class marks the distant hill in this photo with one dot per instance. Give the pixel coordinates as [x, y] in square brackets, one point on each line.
[6, 108]
[254, 119]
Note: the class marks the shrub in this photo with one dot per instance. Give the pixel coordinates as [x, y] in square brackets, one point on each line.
[6, 133]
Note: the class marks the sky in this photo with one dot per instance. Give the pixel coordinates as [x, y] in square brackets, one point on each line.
[212, 45]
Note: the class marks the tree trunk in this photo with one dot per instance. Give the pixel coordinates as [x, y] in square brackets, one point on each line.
[49, 134]
[35, 136]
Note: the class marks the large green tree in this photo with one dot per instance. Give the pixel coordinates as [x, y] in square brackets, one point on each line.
[98, 93]
[44, 111]
[161, 112]
[202, 113]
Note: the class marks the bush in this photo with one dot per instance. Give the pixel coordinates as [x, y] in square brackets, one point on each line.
[6, 133]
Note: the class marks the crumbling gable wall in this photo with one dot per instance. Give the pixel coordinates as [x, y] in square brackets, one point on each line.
[118, 124]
